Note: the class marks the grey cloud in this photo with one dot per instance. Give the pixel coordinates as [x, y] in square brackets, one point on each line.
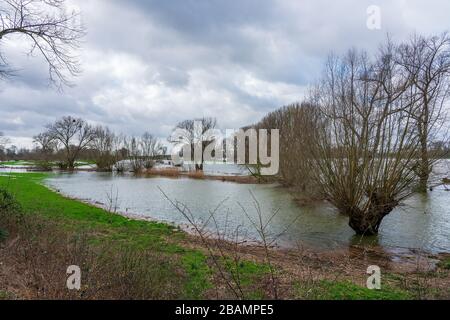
[149, 64]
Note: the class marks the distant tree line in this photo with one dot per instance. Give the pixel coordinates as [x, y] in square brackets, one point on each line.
[70, 139]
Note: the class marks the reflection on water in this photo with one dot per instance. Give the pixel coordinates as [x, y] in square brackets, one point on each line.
[423, 222]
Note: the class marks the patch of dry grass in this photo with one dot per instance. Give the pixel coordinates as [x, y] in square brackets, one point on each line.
[35, 257]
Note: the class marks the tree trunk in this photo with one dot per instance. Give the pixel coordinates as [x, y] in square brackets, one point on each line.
[368, 222]
[199, 166]
[424, 167]
[71, 164]
[366, 225]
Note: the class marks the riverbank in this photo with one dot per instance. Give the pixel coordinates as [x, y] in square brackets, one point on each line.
[183, 267]
[200, 175]
[168, 172]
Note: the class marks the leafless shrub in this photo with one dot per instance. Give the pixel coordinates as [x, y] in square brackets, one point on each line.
[224, 245]
[166, 172]
[266, 238]
[142, 151]
[112, 198]
[38, 252]
[230, 281]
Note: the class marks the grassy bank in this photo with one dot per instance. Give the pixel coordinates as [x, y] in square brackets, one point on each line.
[188, 268]
[122, 258]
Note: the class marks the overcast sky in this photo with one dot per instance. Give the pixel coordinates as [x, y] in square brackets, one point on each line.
[149, 64]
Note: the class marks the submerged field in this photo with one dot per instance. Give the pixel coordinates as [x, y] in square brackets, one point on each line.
[123, 258]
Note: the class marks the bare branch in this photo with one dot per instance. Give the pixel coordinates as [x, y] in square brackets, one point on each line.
[51, 32]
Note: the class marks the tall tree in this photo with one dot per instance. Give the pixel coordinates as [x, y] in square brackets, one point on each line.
[151, 147]
[50, 31]
[427, 60]
[195, 134]
[105, 145]
[3, 142]
[135, 153]
[74, 134]
[366, 147]
[46, 145]
[297, 124]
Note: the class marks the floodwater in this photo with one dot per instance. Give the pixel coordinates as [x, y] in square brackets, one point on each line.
[423, 222]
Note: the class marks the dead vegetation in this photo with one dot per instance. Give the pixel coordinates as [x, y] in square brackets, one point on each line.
[200, 175]
[36, 253]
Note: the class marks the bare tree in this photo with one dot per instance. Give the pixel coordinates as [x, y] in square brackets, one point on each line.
[141, 151]
[50, 30]
[46, 145]
[427, 60]
[297, 124]
[3, 142]
[105, 147]
[74, 134]
[134, 153]
[45, 142]
[367, 145]
[195, 135]
[151, 147]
